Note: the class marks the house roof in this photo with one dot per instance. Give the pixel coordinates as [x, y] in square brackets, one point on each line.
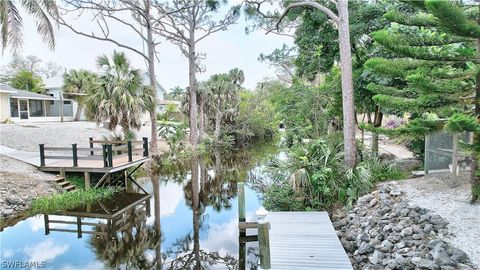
[7, 89]
[15, 93]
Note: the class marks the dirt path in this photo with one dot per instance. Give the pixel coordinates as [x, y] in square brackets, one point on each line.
[433, 193]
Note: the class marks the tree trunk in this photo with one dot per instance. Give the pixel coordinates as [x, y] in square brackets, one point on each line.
[193, 89]
[201, 123]
[218, 118]
[377, 122]
[151, 75]
[350, 148]
[78, 113]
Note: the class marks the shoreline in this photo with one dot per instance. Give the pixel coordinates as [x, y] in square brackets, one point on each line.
[20, 185]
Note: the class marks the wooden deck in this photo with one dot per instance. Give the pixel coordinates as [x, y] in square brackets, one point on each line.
[94, 166]
[305, 240]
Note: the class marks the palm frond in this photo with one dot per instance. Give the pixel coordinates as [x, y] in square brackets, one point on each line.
[12, 25]
[44, 26]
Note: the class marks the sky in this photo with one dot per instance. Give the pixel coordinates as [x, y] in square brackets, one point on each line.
[224, 50]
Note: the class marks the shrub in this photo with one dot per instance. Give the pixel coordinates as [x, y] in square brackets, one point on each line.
[329, 182]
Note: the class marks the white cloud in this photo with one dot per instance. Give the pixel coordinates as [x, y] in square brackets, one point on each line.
[44, 251]
[91, 266]
[7, 253]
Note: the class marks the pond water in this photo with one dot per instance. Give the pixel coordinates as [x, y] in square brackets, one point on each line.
[195, 211]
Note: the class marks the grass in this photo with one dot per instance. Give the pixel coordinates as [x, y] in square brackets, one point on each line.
[76, 180]
[476, 193]
[69, 200]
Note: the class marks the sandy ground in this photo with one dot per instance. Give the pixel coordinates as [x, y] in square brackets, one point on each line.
[27, 136]
[453, 204]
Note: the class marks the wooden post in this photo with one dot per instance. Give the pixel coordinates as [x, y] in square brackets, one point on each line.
[61, 107]
[42, 154]
[75, 157]
[79, 227]
[263, 228]
[455, 154]
[47, 224]
[62, 172]
[241, 201]
[104, 152]
[130, 154]
[87, 180]
[145, 146]
[125, 174]
[110, 155]
[90, 140]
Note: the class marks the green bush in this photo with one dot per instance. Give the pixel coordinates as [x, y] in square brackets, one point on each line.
[69, 200]
[329, 182]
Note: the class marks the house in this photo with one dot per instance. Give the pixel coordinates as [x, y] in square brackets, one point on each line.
[28, 106]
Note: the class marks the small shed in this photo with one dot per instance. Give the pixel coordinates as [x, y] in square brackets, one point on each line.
[443, 152]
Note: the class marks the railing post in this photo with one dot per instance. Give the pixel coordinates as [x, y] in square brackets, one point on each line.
[90, 140]
[145, 146]
[104, 153]
[47, 224]
[42, 154]
[129, 147]
[263, 228]
[75, 157]
[79, 227]
[110, 155]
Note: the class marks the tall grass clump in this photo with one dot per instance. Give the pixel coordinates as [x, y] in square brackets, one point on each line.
[70, 200]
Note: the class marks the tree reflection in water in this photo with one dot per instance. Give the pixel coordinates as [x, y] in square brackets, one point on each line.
[212, 183]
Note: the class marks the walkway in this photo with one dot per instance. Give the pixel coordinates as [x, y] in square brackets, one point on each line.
[32, 158]
[305, 240]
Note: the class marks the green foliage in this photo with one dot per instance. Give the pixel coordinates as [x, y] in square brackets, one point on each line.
[329, 181]
[460, 122]
[69, 200]
[76, 180]
[28, 81]
[120, 96]
[174, 133]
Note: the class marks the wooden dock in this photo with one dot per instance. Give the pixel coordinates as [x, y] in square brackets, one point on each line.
[305, 240]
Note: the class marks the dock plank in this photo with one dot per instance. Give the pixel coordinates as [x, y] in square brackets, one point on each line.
[305, 240]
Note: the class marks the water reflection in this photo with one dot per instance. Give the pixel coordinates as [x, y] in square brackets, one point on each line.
[190, 221]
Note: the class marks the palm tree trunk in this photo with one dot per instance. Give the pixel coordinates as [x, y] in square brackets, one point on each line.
[218, 118]
[475, 177]
[350, 147]
[78, 113]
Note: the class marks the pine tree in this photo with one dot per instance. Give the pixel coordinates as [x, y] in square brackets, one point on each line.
[433, 70]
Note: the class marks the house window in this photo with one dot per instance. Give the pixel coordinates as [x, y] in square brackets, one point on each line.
[52, 102]
[67, 102]
[13, 107]
[36, 108]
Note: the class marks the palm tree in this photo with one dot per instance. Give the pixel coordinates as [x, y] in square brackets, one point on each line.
[237, 76]
[177, 93]
[12, 23]
[77, 82]
[223, 99]
[120, 97]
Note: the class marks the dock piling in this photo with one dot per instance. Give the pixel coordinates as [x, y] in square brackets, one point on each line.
[42, 154]
[105, 159]
[75, 155]
[263, 228]
[110, 155]
[87, 180]
[90, 140]
[129, 148]
[145, 146]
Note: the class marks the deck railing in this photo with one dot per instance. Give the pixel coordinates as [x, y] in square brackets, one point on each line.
[105, 153]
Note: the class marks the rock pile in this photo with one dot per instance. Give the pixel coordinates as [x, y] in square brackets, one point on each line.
[383, 231]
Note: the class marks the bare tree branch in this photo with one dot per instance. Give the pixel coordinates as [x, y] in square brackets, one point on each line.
[316, 5]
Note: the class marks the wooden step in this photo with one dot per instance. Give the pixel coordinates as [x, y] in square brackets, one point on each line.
[64, 183]
[60, 179]
[69, 188]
